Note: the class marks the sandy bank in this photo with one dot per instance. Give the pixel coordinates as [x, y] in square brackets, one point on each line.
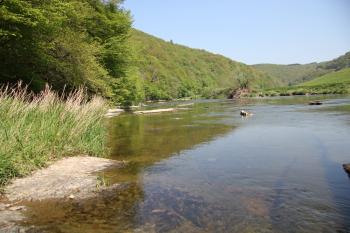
[68, 178]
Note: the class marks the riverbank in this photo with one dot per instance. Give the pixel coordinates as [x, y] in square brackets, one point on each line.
[326, 89]
[307, 90]
[73, 179]
[68, 178]
[37, 129]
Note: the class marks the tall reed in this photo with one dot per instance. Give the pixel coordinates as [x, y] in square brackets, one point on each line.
[35, 129]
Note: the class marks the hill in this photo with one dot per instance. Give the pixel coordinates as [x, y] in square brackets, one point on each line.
[341, 77]
[336, 82]
[339, 63]
[297, 73]
[293, 73]
[173, 71]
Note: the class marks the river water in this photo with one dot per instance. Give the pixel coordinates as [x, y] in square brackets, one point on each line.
[206, 169]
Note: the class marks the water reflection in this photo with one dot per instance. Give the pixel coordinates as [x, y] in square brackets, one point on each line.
[147, 139]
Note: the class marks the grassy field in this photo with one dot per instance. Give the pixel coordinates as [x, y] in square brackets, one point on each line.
[35, 129]
[339, 77]
[333, 83]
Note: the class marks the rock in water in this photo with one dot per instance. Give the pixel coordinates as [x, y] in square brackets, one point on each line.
[347, 168]
[315, 102]
[245, 113]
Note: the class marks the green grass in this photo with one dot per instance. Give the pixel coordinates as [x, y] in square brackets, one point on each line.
[339, 77]
[35, 129]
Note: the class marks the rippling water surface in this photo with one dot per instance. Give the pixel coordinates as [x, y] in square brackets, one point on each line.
[206, 169]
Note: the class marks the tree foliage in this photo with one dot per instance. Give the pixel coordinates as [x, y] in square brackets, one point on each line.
[67, 43]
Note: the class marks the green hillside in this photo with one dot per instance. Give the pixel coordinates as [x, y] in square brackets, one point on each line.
[172, 71]
[336, 82]
[339, 63]
[293, 73]
[296, 73]
[334, 78]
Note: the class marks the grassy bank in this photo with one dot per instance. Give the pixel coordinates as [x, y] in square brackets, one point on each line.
[35, 129]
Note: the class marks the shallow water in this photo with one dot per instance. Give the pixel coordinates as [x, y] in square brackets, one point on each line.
[206, 169]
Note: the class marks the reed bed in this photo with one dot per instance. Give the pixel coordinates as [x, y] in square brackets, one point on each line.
[37, 128]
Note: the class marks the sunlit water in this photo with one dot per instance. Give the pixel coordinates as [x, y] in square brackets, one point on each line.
[206, 169]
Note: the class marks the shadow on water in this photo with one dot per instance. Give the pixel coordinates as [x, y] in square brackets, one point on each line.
[279, 198]
[336, 179]
[337, 183]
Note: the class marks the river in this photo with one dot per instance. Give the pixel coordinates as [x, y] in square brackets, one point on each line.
[207, 169]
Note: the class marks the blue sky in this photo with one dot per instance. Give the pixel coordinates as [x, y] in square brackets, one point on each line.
[251, 31]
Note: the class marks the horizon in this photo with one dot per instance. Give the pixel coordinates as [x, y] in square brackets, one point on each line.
[324, 33]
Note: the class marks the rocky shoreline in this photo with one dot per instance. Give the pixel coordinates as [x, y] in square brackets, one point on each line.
[69, 179]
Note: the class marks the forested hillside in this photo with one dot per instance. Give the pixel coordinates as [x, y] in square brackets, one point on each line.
[174, 71]
[91, 43]
[297, 73]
